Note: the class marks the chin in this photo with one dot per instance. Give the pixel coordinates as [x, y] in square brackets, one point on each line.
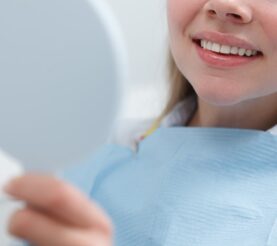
[218, 95]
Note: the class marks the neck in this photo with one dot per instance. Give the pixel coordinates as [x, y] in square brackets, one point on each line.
[259, 114]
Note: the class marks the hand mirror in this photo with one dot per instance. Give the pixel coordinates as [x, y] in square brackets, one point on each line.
[62, 63]
[61, 67]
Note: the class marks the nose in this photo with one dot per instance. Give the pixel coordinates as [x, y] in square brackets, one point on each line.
[234, 11]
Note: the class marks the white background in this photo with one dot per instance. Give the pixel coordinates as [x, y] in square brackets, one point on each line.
[144, 28]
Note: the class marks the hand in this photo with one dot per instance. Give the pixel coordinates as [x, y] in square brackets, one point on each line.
[57, 214]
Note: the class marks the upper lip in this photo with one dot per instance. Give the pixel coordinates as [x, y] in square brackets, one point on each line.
[225, 39]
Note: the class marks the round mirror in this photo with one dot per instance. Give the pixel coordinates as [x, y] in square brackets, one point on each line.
[61, 67]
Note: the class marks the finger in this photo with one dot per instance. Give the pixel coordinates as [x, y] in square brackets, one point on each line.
[60, 199]
[41, 230]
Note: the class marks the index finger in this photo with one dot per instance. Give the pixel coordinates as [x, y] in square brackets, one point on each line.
[60, 199]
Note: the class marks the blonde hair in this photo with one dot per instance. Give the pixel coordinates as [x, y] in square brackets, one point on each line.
[179, 89]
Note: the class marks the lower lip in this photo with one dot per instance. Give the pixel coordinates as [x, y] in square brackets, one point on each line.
[223, 61]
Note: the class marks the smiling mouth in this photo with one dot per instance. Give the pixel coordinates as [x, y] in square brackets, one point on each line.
[198, 42]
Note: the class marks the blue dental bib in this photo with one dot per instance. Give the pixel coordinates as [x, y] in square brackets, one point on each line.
[187, 186]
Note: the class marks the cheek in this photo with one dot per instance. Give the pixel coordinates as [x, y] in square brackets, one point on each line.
[181, 12]
[268, 24]
[268, 19]
[174, 13]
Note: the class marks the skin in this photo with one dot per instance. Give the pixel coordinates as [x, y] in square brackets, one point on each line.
[241, 97]
[59, 215]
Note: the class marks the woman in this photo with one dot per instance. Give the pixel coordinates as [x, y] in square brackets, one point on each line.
[223, 75]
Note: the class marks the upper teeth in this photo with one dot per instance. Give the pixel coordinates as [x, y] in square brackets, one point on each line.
[226, 49]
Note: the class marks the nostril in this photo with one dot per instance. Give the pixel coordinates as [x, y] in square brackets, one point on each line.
[236, 16]
[211, 12]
